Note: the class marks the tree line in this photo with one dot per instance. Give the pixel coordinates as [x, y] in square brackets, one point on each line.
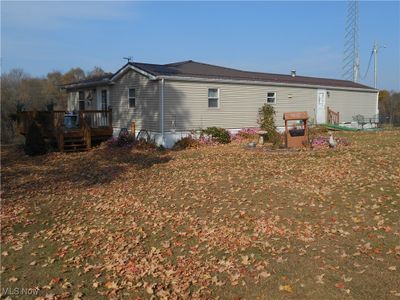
[20, 91]
[389, 107]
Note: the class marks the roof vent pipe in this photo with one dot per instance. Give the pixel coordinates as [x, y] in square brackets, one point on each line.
[293, 73]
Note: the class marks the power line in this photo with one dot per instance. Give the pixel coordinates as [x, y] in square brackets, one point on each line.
[369, 64]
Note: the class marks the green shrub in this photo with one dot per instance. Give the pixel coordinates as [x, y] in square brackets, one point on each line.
[218, 134]
[35, 143]
[266, 120]
[277, 139]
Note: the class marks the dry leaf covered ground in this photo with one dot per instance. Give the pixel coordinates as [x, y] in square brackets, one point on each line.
[220, 221]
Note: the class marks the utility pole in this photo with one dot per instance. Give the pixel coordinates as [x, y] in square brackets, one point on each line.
[375, 50]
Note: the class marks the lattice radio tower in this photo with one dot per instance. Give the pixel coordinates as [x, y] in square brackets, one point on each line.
[351, 58]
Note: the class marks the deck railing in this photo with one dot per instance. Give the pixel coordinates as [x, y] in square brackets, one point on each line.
[51, 122]
[96, 118]
[48, 121]
[333, 117]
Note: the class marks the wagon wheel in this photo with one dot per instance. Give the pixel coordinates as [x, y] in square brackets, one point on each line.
[143, 135]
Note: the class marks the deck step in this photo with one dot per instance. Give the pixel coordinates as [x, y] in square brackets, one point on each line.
[76, 150]
[74, 140]
[74, 144]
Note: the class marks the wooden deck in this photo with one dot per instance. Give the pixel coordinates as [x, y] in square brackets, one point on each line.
[71, 132]
[333, 117]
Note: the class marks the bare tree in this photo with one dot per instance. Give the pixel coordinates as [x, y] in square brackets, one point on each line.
[55, 96]
[96, 72]
[10, 101]
[74, 74]
[389, 107]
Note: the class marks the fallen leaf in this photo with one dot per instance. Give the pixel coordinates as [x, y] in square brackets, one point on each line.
[339, 285]
[78, 296]
[286, 288]
[265, 274]
[245, 260]
[320, 279]
[111, 285]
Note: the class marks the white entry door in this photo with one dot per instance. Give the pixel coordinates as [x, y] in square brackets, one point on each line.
[321, 107]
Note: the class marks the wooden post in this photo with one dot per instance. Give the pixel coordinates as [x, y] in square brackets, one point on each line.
[286, 134]
[80, 118]
[133, 128]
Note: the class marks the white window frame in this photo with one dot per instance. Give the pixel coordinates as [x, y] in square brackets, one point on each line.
[129, 97]
[213, 98]
[101, 100]
[83, 100]
[270, 97]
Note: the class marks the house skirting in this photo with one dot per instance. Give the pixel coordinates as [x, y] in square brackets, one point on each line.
[170, 137]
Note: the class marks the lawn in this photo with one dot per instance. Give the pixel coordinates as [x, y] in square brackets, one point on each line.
[215, 222]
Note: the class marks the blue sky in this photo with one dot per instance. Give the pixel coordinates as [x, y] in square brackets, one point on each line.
[272, 37]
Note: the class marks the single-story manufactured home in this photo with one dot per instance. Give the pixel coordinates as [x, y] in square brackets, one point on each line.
[170, 100]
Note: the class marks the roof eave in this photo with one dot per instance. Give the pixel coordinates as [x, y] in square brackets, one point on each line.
[85, 85]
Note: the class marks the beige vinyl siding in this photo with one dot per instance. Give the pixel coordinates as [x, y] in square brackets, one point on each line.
[351, 103]
[146, 111]
[186, 104]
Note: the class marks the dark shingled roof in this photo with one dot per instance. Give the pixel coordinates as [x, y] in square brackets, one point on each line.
[88, 82]
[194, 69]
[201, 70]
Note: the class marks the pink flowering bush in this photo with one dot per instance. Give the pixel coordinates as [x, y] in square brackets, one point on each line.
[323, 141]
[245, 134]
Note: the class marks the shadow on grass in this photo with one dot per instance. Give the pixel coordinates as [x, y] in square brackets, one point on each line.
[98, 166]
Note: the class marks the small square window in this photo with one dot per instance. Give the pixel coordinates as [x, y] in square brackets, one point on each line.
[271, 97]
[132, 98]
[213, 98]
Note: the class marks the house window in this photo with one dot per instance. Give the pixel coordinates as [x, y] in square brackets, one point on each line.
[132, 98]
[104, 102]
[81, 98]
[271, 97]
[213, 98]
